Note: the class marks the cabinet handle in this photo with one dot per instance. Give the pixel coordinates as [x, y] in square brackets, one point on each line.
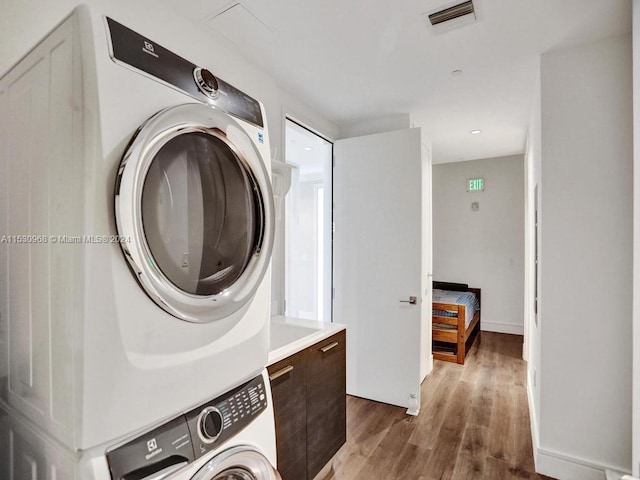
[329, 347]
[281, 372]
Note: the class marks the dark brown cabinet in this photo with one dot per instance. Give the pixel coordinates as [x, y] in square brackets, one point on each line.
[309, 401]
[288, 388]
[326, 402]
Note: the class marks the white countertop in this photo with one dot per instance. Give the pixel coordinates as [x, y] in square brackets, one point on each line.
[289, 335]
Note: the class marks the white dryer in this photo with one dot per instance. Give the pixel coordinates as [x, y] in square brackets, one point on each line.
[231, 437]
[136, 229]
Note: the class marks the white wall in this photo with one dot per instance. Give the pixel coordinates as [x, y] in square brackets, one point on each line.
[636, 236]
[584, 376]
[484, 249]
[386, 123]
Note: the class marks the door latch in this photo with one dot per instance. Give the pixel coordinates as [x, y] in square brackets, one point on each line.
[412, 300]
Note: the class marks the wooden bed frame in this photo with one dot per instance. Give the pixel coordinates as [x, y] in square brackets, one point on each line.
[460, 339]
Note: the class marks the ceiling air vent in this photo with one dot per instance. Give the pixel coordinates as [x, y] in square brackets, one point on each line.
[451, 13]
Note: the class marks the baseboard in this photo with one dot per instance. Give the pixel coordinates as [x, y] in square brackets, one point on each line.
[568, 467]
[564, 467]
[614, 475]
[558, 465]
[502, 328]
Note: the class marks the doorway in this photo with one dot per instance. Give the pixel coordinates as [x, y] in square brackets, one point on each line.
[308, 224]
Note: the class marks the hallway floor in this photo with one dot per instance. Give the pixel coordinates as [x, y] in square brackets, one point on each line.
[473, 424]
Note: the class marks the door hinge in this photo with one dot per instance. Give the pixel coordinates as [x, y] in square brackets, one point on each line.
[333, 161]
[333, 293]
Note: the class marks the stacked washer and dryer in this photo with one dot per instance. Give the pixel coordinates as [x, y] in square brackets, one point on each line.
[136, 229]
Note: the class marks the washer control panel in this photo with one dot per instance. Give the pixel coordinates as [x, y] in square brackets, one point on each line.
[220, 419]
[162, 449]
[171, 446]
[144, 55]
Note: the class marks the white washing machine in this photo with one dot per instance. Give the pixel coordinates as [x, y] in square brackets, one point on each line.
[136, 228]
[229, 438]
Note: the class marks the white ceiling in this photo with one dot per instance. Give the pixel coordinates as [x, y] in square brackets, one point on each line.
[363, 59]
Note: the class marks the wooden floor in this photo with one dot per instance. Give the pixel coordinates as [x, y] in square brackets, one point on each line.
[473, 424]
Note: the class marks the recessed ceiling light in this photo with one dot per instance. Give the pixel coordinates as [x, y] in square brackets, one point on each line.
[476, 132]
[308, 149]
[456, 73]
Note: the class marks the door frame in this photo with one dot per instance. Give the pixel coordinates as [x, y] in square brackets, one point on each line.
[636, 243]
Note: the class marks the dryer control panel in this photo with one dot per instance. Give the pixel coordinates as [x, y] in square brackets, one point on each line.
[220, 419]
[177, 443]
[142, 54]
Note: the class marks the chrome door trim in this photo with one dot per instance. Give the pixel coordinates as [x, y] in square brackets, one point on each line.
[139, 155]
[243, 458]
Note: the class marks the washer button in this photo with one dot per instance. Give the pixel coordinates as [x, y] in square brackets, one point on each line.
[210, 424]
[206, 81]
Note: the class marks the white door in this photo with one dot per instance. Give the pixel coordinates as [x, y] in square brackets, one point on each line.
[378, 263]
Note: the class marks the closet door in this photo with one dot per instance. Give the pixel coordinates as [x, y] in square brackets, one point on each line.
[378, 263]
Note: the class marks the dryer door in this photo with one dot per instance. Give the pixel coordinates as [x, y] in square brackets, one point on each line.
[194, 211]
[238, 463]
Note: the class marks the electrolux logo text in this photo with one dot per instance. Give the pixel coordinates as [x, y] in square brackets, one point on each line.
[152, 446]
[149, 48]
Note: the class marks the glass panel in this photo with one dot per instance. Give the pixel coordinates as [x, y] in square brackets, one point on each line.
[235, 474]
[308, 221]
[199, 213]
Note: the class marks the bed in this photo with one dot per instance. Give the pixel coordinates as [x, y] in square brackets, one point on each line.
[456, 320]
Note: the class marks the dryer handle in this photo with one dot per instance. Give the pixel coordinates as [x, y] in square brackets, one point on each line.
[162, 474]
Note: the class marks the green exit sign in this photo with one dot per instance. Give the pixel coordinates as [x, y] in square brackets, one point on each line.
[475, 185]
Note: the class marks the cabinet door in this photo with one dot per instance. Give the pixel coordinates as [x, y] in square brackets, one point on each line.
[290, 410]
[326, 401]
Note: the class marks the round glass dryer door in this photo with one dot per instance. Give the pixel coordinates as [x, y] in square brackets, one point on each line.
[195, 210]
[238, 463]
